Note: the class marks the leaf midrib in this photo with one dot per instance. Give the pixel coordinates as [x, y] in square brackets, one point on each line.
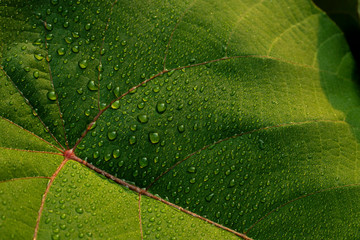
[145, 192]
[101, 111]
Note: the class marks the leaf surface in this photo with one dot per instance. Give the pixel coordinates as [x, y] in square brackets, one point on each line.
[176, 119]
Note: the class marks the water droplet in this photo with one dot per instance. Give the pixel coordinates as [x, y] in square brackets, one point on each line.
[49, 37]
[141, 105]
[61, 51]
[133, 127]
[87, 112]
[38, 57]
[116, 153]
[36, 74]
[112, 135]
[87, 26]
[231, 183]
[143, 162]
[261, 144]
[51, 95]
[75, 49]
[132, 140]
[181, 128]
[116, 104]
[48, 26]
[191, 169]
[154, 137]
[79, 210]
[160, 107]
[143, 118]
[68, 40]
[92, 86]
[83, 64]
[209, 197]
[75, 34]
[117, 92]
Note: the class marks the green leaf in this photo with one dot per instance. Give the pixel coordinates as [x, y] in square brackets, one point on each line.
[346, 15]
[176, 119]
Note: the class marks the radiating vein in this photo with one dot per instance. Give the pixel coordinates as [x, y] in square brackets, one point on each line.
[148, 194]
[31, 133]
[235, 136]
[191, 66]
[24, 178]
[52, 178]
[29, 104]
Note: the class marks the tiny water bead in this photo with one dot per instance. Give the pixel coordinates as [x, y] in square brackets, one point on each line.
[143, 162]
[154, 137]
[143, 118]
[51, 95]
[79, 210]
[181, 128]
[112, 135]
[161, 107]
[132, 140]
[191, 169]
[36, 74]
[38, 57]
[116, 104]
[116, 153]
[61, 51]
[75, 49]
[83, 64]
[92, 86]
[87, 26]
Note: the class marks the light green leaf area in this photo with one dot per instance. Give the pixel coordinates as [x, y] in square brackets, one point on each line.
[214, 120]
[84, 204]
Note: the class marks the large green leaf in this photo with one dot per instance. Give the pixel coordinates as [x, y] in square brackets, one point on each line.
[345, 13]
[176, 119]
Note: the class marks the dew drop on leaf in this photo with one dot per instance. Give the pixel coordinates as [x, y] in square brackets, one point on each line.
[209, 197]
[68, 40]
[143, 118]
[132, 140]
[143, 162]
[38, 57]
[61, 51]
[116, 153]
[36, 74]
[92, 86]
[75, 49]
[83, 64]
[232, 183]
[112, 135]
[79, 210]
[117, 92]
[160, 107]
[154, 137]
[51, 95]
[87, 26]
[191, 169]
[115, 105]
[181, 128]
[48, 26]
